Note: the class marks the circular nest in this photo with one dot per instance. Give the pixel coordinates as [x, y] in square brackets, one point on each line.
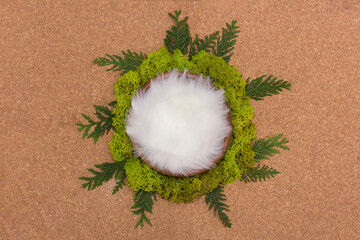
[239, 156]
[226, 142]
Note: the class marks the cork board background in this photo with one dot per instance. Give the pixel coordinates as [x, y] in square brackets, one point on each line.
[48, 79]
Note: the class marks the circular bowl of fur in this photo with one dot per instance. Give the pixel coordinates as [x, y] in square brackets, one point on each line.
[176, 156]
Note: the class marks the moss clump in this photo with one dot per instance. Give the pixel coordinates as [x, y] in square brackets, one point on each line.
[238, 158]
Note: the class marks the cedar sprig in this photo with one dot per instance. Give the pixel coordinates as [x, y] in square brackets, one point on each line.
[259, 87]
[179, 35]
[265, 148]
[108, 170]
[143, 202]
[226, 43]
[104, 123]
[216, 199]
[199, 44]
[258, 173]
[129, 61]
[119, 180]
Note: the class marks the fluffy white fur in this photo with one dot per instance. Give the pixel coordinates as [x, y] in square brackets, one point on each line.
[179, 124]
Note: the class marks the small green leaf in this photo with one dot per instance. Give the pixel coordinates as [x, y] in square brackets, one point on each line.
[120, 181]
[226, 43]
[259, 88]
[143, 202]
[199, 44]
[107, 172]
[216, 199]
[265, 148]
[129, 61]
[104, 125]
[259, 174]
[179, 35]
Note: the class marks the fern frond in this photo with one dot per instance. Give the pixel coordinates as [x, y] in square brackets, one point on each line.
[216, 199]
[129, 61]
[104, 115]
[199, 44]
[107, 172]
[179, 35]
[120, 180]
[259, 88]
[261, 174]
[265, 148]
[143, 202]
[226, 43]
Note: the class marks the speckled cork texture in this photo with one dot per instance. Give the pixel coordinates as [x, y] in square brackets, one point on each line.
[48, 79]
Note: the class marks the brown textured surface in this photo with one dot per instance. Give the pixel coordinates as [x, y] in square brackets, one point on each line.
[48, 79]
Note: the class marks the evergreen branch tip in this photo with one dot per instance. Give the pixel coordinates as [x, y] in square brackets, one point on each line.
[259, 88]
[178, 37]
[102, 126]
[265, 148]
[143, 202]
[258, 173]
[107, 171]
[130, 61]
[216, 199]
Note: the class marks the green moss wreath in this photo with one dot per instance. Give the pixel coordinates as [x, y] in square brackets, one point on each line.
[239, 156]
[239, 159]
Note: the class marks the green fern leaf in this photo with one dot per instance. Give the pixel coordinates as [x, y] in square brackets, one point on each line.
[199, 44]
[104, 125]
[143, 202]
[258, 88]
[265, 148]
[226, 43]
[179, 35]
[259, 174]
[129, 61]
[107, 172]
[216, 199]
[120, 181]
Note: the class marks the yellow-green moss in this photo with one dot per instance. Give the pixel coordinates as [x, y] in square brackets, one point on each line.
[237, 159]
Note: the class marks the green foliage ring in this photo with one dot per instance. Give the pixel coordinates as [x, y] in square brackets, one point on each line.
[238, 159]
